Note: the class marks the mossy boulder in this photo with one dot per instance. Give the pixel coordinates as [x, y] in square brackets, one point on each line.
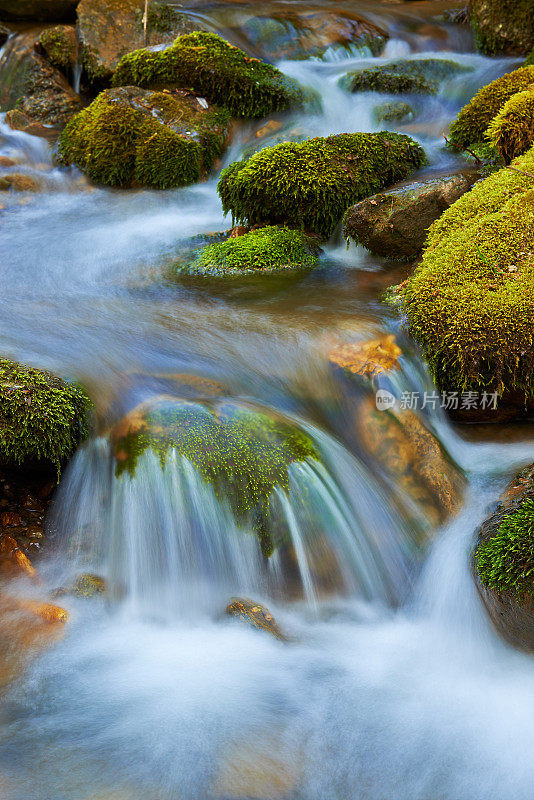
[511, 132]
[503, 26]
[29, 83]
[504, 562]
[43, 418]
[244, 454]
[44, 10]
[212, 67]
[394, 223]
[392, 112]
[59, 46]
[405, 76]
[133, 136]
[310, 185]
[259, 252]
[470, 125]
[108, 29]
[470, 303]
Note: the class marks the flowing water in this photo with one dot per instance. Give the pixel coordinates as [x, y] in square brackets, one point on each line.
[392, 685]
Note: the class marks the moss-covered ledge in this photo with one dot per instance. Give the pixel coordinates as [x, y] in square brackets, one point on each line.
[42, 417]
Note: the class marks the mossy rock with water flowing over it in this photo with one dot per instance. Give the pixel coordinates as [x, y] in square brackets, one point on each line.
[133, 136]
[212, 67]
[244, 454]
[511, 132]
[504, 562]
[262, 251]
[43, 418]
[310, 185]
[470, 125]
[392, 112]
[503, 26]
[403, 77]
[470, 303]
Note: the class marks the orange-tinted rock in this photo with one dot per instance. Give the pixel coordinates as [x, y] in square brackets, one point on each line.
[367, 358]
[12, 560]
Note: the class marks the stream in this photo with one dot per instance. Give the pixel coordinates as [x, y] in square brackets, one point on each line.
[393, 685]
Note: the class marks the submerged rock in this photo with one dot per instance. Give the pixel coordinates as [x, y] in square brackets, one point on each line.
[85, 586]
[501, 26]
[131, 136]
[369, 358]
[504, 562]
[254, 614]
[210, 66]
[18, 182]
[421, 76]
[310, 185]
[32, 85]
[242, 453]
[43, 10]
[394, 224]
[392, 112]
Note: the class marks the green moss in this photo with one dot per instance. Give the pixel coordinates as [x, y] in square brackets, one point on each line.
[215, 69]
[511, 132]
[264, 250]
[470, 303]
[404, 76]
[243, 454]
[59, 46]
[473, 120]
[310, 185]
[505, 561]
[392, 112]
[131, 136]
[502, 26]
[42, 417]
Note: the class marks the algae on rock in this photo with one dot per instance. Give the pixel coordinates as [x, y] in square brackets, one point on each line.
[421, 76]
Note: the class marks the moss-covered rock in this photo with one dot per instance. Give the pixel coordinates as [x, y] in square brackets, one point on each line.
[212, 67]
[470, 303]
[470, 126]
[132, 136]
[242, 453]
[108, 29]
[42, 417]
[503, 26]
[392, 112]
[504, 562]
[420, 76]
[511, 132]
[394, 223]
[310, 185]
[261, 251]
[59, 46]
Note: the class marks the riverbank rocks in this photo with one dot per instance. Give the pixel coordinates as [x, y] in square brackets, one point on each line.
[469, 127]
[41, 10]
[60, 47]
[511, 132]
[418, 76]
[32, 86]
[108, 29]
[131, 136]
[217, 70]
[258, 252]
[504, 562]
[43, 417]
[503, 26]
[310, 185]
[394, 223]
[470, 302]
[243, 453]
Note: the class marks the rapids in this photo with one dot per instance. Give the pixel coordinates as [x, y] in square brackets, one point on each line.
[393, 686]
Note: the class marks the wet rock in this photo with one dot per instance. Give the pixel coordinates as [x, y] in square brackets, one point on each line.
[414, 76]
[394, 223]
[22, 122]
[501, 26]
[43, 10]
[108, 29]
[18, 182]
[60, 46]
[255, 615]
[86, 586]
[4, 34]
[367, 358]
[131, 136]
[392, 112]
[32, 85]
[7, 162]
[504, 562]
[13, 561]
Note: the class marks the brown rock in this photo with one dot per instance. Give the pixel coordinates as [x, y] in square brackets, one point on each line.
[6, 162]
[12, 560]
[367, 358]
[19, 183]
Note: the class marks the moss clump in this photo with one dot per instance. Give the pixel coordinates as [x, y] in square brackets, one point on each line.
[215, 69]
[132, 136]
[310, 185]
[264, 250]
[503, 26]
[59, 44]
[404, 76]
[511, 132]
[392, 112]
[42, 417]
[505, 561]
[243, 454]
[471, 123]
[470, 303]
